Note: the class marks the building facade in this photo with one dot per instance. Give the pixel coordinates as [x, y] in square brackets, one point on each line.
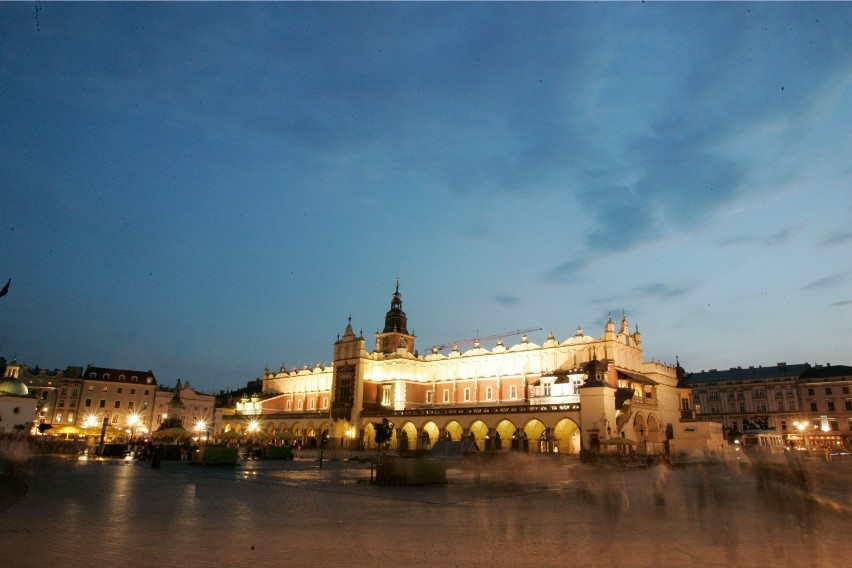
[18, 407]
[826, 395]
[44, 385]
[560, 396]
[810, 406]
[194, 410]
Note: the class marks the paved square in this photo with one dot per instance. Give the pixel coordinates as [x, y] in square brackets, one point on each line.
[524, 510]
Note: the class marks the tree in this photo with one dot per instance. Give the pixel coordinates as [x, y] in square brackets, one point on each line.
[384, 432]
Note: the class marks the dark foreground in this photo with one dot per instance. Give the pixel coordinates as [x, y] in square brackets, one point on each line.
[520, 511]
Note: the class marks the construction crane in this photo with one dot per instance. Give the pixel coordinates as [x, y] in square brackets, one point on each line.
[436, 348]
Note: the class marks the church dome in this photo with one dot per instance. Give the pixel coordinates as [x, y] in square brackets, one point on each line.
[13, 387]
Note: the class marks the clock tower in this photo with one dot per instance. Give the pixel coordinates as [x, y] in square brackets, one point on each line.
[395, 335]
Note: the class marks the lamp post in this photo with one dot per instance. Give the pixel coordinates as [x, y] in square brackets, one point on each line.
[201, 428]
[802, 426]
[133, 421]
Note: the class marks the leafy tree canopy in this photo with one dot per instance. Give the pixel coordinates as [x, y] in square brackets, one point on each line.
[384, 431]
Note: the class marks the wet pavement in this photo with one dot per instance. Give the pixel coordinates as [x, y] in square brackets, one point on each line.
[521, 510]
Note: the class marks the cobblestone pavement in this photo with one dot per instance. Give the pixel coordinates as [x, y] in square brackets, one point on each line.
[517, 511]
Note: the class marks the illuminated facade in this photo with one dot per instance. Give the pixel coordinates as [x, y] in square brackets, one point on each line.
[183, 403]
[560, 396]
[44, 385]
[811, 405]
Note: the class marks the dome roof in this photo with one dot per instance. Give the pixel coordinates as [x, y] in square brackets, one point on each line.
[13, 387]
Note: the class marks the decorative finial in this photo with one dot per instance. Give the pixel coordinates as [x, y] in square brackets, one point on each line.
[397, 284]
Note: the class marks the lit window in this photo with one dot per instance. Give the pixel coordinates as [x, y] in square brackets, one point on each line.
[386, 395]
[513, 392]
[489, 393]
[313, 403]
[467, 395]
[446, 395]
[287, 407]
[299, 404]
[429, 395]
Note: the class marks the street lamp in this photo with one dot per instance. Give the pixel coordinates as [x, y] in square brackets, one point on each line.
[91, 421]
[201, 426]
[802, 426]
[132, 421]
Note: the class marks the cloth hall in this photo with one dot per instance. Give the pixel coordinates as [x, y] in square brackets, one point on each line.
[561, 396]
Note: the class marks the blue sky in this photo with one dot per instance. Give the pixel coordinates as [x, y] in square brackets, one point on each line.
[207, 189]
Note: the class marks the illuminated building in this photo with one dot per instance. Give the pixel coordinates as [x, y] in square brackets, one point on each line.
[810, 405]
[826, 394]
[43, 384]
[560, 396]
[184, 404]
[17, 407]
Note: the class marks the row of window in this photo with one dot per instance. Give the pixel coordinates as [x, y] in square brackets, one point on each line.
[816, 425]
[300, 404]
[830, 405]
[133, 378]
[105, 388]
[117, 404]
[467, 395]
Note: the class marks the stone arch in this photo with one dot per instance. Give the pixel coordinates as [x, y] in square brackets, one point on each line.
[453, 430]
[504, 433]
[368, 437]
[428, 435]
[656, 436]
[479, 432]
[407, 437]
[298, 434]
[566, 437]
[325, 433]
[534, 436]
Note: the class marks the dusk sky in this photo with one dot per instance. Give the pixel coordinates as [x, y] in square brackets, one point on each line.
[208, 189]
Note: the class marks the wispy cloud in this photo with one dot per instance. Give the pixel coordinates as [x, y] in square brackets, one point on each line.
[571, 272]
[828, 281]
[841, 304]
[507, 300]
[837, 238]
[658, 290]
[777, 238]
